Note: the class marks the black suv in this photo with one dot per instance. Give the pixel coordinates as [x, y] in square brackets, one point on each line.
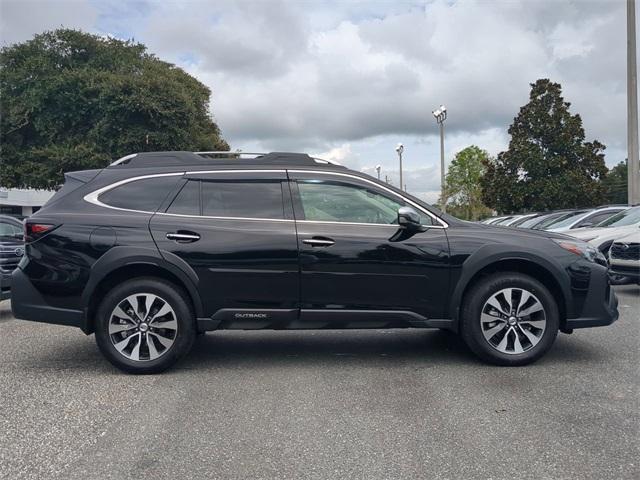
[159, 246]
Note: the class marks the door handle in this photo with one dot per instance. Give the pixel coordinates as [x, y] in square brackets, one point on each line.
[183, 237]
[318, 242]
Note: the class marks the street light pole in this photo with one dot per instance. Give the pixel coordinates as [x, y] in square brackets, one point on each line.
[400, 149]
[633, 165]
[441, 115]
[378, 167]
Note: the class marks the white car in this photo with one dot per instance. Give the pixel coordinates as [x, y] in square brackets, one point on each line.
[604, 234]
[624, 257]
[585, 220]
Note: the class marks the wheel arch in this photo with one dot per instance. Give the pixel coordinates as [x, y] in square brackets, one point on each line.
[551, 276]
[119, 265]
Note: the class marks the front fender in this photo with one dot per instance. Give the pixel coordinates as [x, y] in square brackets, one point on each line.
[493, 253]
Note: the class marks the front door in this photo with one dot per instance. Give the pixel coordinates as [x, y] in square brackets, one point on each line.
[354, 273]
[236, 231]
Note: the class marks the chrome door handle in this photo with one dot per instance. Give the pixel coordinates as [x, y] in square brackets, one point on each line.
[318, 242]
[183, 237]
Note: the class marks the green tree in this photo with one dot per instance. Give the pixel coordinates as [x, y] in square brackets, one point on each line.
[462, 184]
[548, 164]
[615, 184]
[74, 101]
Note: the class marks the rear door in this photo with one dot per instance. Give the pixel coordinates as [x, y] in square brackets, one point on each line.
[235, 229]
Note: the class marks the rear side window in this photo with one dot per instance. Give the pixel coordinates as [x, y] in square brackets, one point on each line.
[260, 199]
[145, 194]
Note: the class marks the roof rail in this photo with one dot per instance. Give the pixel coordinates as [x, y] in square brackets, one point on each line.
[178, 158]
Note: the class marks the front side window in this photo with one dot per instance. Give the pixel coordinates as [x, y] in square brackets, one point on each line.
[339, 202]
[144, 195]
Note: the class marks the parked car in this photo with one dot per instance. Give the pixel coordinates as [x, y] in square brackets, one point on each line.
[624, 257]
[587, 219]
[493, 220]
[521, 219]
[11, 251]
[606, 232]
[159, 246]
[544, 219]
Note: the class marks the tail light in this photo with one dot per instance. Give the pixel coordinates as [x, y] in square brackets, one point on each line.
[34, 231]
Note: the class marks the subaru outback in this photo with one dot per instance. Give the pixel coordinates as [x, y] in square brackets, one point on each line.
[160, 246]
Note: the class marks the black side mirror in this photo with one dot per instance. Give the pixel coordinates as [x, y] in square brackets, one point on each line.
[409, 222]
[408, 218]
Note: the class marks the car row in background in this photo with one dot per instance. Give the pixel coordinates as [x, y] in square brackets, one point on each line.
[11, 251]
[612, 229]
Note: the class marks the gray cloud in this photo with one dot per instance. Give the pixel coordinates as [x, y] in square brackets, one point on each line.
[313, 76]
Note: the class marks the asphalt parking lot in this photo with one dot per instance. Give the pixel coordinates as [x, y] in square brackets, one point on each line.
[347, 404]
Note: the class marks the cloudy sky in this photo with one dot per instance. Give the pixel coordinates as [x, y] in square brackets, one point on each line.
[351, 79]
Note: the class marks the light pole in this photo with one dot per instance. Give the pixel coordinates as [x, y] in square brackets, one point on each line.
[400, 149]
[632, 108]
[441, 115]
[378, 167]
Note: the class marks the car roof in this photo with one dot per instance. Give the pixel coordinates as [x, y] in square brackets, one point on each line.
[200, 160]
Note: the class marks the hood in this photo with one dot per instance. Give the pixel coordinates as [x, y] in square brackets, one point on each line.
[600, 236]
[525, 232]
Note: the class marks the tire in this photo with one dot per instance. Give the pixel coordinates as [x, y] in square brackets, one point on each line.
[526, 334]
[152, 335]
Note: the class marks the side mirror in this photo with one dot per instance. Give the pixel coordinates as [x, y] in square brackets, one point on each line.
[586, 225]
[408, 218]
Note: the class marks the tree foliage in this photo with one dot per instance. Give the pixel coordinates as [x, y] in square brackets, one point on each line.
[548, 164]
[462, 184]
[73, 101]
[616, 184]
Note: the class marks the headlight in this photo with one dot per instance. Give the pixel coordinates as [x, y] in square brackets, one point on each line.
[582, 249]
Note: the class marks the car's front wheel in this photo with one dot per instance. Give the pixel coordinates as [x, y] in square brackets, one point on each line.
[509, 319]
[144, 325]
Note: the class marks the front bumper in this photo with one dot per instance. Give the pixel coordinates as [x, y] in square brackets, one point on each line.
[600, 307]
[5, 286]
[28, 304]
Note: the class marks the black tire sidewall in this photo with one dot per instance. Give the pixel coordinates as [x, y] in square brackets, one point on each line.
[474, 302]
[185, 318]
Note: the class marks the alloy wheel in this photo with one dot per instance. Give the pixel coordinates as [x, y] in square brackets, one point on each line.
[513, 320]
[143, 327]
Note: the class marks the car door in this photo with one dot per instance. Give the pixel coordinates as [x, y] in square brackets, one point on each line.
[354, 272]
[235, 230]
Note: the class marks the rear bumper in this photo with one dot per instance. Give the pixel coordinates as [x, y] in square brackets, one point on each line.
[27, 304]
[601, 304]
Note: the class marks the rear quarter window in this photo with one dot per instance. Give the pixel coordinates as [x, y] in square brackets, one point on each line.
[144, 195]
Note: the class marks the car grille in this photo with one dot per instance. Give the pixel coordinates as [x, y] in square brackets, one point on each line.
[8, 258]
[625, 251]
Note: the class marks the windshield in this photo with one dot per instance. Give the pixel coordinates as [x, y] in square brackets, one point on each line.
[569, 220]
[10, 231]
[622, 219]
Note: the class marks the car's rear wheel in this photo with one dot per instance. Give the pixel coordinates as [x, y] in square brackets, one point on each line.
[145, 325]
[509, 319]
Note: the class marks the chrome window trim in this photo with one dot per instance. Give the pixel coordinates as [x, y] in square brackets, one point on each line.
[443, 224]
[251, 219]
[93, 197]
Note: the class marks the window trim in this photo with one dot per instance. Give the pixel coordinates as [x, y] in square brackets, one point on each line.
[93, 196]
[441, 224]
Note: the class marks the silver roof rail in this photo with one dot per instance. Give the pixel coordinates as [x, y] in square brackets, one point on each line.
[123, 159]
[230, 154]
[327, 162]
